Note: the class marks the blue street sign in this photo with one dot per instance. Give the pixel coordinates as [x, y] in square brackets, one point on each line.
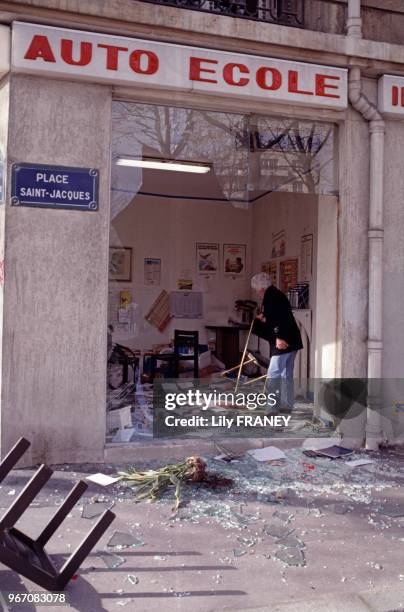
[54, 187]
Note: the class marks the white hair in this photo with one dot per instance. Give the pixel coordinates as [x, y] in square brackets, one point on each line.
[261, 281]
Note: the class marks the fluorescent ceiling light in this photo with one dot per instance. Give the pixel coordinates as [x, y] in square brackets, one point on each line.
[158, 164]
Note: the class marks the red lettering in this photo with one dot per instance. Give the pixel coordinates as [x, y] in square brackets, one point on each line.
[112, 55]
[261, 78]
[397, 96]
[293, 84]
[228, 74]
[322, 85]
[135, 59]
[40, 48]
[195, 69]
[66, 51]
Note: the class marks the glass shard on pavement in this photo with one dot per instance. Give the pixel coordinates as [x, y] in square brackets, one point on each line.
[132, 579]
[124, 540]
[239, 552]
[248, 542]
[291, 556]
[112, 560]
[291, 541]
[92, 510]
[286, 517]
[277, 530]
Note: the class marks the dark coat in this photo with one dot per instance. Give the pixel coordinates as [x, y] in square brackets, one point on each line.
[279, 322]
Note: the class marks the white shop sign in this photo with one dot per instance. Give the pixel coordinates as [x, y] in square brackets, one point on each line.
[73, 54]
[391, 95]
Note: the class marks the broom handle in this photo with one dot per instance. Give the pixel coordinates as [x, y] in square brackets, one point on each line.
[253, 380]
[244, 354]
[235, 367]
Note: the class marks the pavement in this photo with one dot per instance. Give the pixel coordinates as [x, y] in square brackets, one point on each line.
[307, 534]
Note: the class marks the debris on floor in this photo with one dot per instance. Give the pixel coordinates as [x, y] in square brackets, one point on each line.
[122, 540]
[151, 484]
[102, 479]
[269, 453]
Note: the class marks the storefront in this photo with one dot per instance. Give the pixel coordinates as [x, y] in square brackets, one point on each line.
[271, 159]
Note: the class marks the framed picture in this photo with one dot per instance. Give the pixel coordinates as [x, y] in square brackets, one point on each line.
[120, 264]
[288, 274]
[234, 260]
[306, 258]
[271, 268]
[278, 244]
[152, 271]
[207, 258]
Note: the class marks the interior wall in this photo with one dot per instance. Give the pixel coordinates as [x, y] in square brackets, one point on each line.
[169, 229]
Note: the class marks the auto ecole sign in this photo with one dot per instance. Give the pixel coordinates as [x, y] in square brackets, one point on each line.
[74, 54]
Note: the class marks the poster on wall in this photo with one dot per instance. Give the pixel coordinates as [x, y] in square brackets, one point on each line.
[288, 274]
[152, 271]
[271, 268]
[278, 244]
[184, 284]
[207, 258]
[234, 260]
[120, 264]
[306, 258]
[159, 314]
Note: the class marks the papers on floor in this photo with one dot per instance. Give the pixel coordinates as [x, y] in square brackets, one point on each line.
[319, 443]
[269, 453]
[102, 479]
[359, 462]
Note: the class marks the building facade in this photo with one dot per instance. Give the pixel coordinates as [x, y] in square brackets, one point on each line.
[65, 64]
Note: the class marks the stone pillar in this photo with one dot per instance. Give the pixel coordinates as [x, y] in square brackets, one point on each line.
[353, 261]
[56, 288]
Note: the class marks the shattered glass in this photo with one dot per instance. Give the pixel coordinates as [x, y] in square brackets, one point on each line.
[291, 541]
[112, 560]
[291, 556]
[277, 530]
[92, 510]
[286, 517]
[124, 540]
[132, 579]
[249, 542]
[239, 552]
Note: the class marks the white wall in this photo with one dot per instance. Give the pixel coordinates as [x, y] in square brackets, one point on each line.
[169, 229]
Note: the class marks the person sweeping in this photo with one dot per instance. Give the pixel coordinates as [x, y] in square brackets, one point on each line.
[277, 324]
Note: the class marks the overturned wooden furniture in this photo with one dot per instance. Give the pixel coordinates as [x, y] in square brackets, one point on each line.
[28, 557]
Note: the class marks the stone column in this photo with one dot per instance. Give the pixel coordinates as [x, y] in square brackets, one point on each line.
[56, 288]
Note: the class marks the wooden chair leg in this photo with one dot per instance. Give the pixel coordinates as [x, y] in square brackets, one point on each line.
[61, 513]
[81, 552]
[11, 459]
[29, 492]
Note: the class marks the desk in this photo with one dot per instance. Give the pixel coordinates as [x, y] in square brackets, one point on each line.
[228, 343]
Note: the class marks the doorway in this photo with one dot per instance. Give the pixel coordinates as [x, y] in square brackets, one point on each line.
[200, 202]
